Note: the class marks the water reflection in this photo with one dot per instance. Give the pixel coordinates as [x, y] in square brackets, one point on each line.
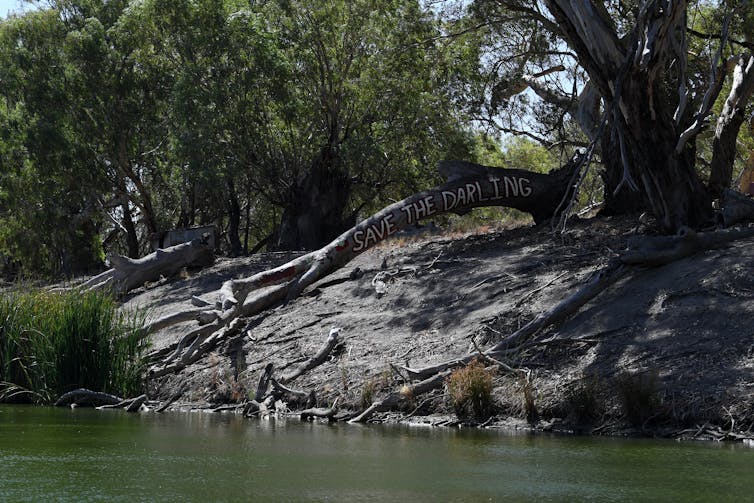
[85, 455]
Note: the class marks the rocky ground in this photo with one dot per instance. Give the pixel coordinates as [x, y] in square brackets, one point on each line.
[667, 351]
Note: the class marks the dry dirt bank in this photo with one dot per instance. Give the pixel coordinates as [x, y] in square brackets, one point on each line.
[669, 350]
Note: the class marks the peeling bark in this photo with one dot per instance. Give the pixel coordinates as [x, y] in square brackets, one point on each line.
[729, 124]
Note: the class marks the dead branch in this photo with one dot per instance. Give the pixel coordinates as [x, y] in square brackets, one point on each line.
[325, 413]
[560, 312]
[264, 383]
[127, 274]
[317, 359]
[660, 250]
[398, 398]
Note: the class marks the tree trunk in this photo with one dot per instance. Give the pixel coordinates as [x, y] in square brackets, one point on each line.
[469, 186]
[728, 126]
[316, 213]
[132, 239]
[234, 219]
[648, 150]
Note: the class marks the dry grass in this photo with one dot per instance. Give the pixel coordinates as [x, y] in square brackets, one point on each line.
[470, 391]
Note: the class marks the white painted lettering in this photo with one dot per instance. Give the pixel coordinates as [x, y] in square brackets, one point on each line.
[495, 183]
[389, 225]
[510, 186]
[409, 216]
[449, 200]
[358, 243]
[524, 186]
[471, 189]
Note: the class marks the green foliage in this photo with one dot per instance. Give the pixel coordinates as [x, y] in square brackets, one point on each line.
[51, 343]
[470, 391]
[120, 119]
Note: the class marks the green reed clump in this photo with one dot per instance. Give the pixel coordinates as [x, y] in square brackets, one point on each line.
[51, 343]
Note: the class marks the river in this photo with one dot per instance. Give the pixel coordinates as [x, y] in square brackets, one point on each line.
[49, 454]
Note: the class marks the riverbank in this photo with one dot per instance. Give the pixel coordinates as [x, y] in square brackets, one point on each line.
[668, 351]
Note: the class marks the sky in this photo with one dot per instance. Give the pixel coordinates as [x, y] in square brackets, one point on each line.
[7, 6]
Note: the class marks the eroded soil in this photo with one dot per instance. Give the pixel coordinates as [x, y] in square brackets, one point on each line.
[669, 350]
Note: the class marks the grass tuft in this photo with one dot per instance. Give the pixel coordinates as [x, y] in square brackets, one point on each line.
[470, 391]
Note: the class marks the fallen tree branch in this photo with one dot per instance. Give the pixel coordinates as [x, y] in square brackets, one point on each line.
[317, 359]
[660, 250]
[315, 412]
[398, 398]
[127, 273]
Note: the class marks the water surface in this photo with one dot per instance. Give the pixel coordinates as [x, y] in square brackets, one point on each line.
[49, 454]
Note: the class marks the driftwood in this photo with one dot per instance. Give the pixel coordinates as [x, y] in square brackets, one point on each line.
[83, 397]
[317, 412]
[129, 405]
[164, 406]
[127, 274]
[403, 396]
[317, 359]
[292, 393]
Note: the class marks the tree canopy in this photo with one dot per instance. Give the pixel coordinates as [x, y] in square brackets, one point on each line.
[284, 122]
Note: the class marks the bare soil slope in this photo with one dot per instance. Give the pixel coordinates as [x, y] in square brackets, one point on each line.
[668, 350]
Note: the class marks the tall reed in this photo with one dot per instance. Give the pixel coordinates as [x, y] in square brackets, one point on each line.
[51, 343]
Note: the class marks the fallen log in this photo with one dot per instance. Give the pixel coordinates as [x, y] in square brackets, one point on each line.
[127, 273]
[469, 186]
[83, 397]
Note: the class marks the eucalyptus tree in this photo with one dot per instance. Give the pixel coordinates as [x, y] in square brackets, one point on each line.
[366, 115]
[118, 92]
[641, 80]
[49, 223]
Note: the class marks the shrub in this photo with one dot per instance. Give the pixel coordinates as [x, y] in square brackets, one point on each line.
[51, 343]
[582, 401]
[639, 395]
[470, 391]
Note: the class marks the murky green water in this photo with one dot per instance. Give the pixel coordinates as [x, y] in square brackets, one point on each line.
[84, 455]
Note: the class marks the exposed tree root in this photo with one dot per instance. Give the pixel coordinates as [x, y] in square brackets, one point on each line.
[559, 313]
